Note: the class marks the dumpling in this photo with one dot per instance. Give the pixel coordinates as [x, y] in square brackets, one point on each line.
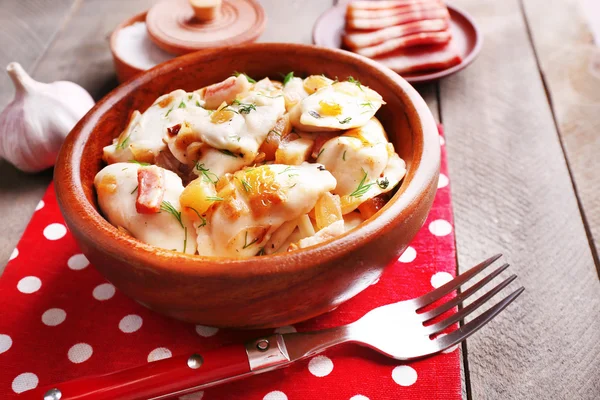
[142, 139]
[257, 201]
[117, 186]
[363, 163]
[340, 106]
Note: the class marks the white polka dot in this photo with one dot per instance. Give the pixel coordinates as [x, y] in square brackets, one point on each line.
[206, 331]
[442, 181]
[286, 329]
[409, 255]
[440, 278]
[159, 353]
[54, 316]
[404, 375]
[104, 291]
[130, 323]
[14, 254]
[320, 366]
[40, 205]
[275, 395]
[5, 343]
[440, 227]
[359, 397]
[55, 231]
[25, 381]
[29, 284]
[192, 396]
[442, 140]
[449, 349]
[77, 262]
[80, 352]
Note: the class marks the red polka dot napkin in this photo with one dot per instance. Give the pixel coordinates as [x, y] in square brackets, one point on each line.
[62, 320]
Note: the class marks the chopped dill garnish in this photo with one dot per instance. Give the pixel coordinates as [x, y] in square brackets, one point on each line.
[288, 77]
[355, 81]
[168, 112]
[199, 216]
[344, 155]
[271, 97]
[246, 244]
[190, 96]
[236, 74]
[198, 104]
[123, 143]
[275, 132]
[168, 207]
[181, 105]
[143, 164]
[212, 177]
[244, 108]
[367, 104]
[362, 187]
[292, 175]
[214, 198]
[228, 153]
[236, 137]
[261, 252]
[185, 239]
[246, 185]
[136, 188]
[320, 152]
[314, 114]
[293, 185]
[383, 183]
[345, 120]
[287, 169]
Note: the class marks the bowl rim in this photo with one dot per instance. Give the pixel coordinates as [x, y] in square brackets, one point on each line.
[90, 223]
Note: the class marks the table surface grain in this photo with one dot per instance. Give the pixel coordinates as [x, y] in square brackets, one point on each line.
[521, 127]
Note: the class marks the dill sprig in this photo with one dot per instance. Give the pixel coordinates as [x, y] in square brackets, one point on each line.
[246, 244]
[143, 164]
[244, 108]
[168, 112]
[214, 198]
[199, 216]
[362, 187]
[344, 155]
[185, 239]
[123, 143]
[288, 77]
[198, 104]
[168, 207]
[345, 120]
[136, 188]
[181, 105]
[287, 169]
[236, 74]
[320, 152]
[383, 183]
[261, 252]
[212, 177]
[229, 153]
[367, 104]
[356, 82]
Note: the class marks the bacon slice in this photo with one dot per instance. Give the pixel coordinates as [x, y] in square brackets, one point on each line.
[151, 189]
[379, 23]
[383, 4]
[416, 39]
[357, 39]
[421, 59]
[226, 91]
[354, 12]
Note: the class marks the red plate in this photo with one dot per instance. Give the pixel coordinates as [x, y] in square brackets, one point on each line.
[329, 29]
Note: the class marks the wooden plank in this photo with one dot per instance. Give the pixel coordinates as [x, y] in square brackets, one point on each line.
[512, 193]
[570, 63]
[26, 30]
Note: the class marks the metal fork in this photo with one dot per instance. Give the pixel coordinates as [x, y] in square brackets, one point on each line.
[402, 330]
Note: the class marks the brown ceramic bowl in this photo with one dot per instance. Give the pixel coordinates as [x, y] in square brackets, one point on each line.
[263, 291]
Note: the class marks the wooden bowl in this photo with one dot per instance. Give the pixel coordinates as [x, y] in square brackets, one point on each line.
[266, 291]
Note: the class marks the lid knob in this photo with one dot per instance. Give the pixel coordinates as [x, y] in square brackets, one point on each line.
[206, 10]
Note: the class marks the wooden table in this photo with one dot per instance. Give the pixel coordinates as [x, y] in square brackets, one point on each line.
[523, 137]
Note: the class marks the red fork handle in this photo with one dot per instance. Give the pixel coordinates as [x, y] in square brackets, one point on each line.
[172, 376]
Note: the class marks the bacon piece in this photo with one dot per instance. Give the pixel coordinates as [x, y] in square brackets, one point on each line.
[357, 39]
[421, 59]
[354, 12]
[225, 91]
[379, 23]
[383, 4]
[151, 189]
[320, 140]
[416, 39]
[371, 206]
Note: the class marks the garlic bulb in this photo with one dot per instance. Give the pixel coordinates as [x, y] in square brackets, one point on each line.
[34, 125]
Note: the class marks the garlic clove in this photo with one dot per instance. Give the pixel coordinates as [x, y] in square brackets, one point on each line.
[35, 124]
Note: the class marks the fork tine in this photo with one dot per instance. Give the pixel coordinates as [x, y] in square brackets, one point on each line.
[473, 326]
[463, 296]
[461, 314]
[454, 283]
